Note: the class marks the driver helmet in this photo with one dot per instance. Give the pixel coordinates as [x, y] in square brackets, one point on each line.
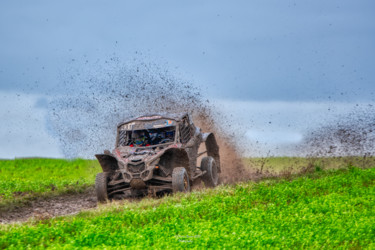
[140, 139]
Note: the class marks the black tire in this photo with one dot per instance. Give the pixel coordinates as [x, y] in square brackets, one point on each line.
[180, 180]
[211, 177]
[101, 183]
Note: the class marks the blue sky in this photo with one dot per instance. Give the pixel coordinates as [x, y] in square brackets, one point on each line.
[244, 51]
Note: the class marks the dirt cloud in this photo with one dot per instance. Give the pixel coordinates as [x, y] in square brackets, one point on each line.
[351, 134]
[84, 118]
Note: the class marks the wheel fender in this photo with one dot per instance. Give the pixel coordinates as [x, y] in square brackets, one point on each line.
[108, 162]
[175, 157]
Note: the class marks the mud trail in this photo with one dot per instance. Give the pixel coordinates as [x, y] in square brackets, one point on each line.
[44, 208]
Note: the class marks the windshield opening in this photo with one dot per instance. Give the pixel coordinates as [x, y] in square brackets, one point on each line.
[146, 137]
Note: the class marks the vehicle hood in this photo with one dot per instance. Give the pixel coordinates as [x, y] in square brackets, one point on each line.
[135, 156]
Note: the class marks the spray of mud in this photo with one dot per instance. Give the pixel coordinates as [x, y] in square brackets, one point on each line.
[233, 169]
[95, 99]
[352, 134]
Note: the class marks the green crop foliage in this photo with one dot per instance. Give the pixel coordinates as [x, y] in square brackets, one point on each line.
[25, 179]
[324, 209]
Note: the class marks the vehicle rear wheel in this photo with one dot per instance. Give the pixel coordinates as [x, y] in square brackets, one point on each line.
[211, 177]
[180, 180]
[101, 183]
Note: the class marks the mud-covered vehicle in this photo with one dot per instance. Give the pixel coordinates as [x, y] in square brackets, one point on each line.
[157, 153]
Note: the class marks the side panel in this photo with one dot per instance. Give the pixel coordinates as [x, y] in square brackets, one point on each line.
[108, 162]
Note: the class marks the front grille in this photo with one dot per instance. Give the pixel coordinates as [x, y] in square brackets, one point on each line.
[136, 168]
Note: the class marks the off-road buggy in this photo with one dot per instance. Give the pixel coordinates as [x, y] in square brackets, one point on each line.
[157, 153]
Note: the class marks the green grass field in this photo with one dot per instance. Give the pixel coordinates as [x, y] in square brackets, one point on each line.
[324, 209]
[333, 208]
[25, 179]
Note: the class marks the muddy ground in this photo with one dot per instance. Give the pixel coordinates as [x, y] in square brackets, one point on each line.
[67, 204]
[44, 208]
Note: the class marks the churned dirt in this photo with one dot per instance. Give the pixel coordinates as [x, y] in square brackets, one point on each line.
[44, 208]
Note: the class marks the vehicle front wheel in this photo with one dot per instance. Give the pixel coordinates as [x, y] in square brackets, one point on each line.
[180, 180]
[211, 177]
[101, 183]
